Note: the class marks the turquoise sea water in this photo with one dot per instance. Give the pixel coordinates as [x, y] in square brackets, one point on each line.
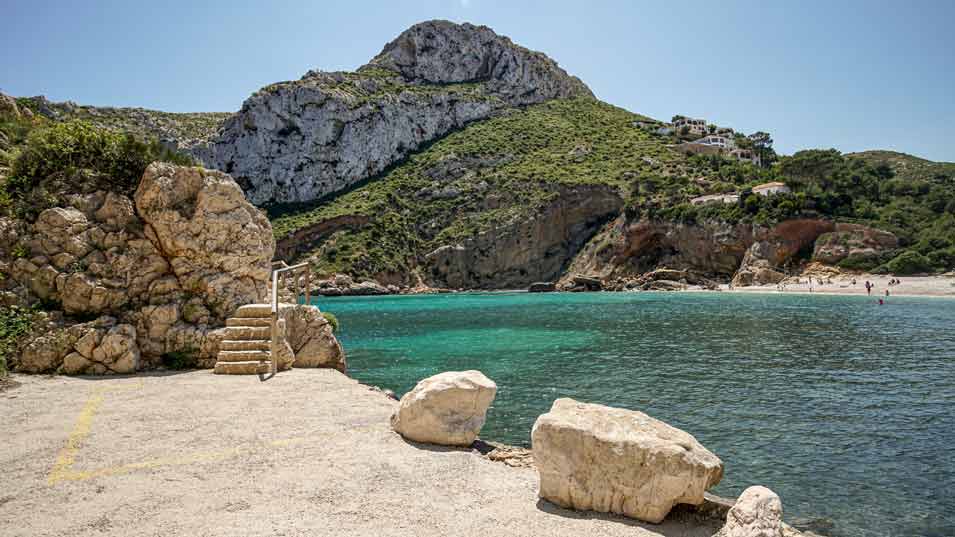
[843, 407]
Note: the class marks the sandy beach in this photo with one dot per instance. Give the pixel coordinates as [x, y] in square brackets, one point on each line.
[855, 285]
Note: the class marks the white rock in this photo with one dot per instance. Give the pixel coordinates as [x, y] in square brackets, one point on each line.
[447, 409]
[758, 512]
[311, 339]
[599, 458]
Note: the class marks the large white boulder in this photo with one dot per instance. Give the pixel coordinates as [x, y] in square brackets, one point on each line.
[447, 409]
[757, 513]
[599, 458]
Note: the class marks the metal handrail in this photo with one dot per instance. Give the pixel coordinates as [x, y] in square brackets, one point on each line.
[274, 302]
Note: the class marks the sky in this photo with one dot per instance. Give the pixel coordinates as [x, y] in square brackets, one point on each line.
[853, 75]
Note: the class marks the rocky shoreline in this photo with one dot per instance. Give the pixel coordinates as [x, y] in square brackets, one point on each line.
[449, 409]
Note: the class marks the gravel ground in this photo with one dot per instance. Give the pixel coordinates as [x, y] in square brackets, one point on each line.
[308, 452]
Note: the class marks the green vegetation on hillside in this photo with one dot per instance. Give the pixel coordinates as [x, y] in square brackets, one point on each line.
[371, 83]
[497, 171]
[916, 204]
[187, 128]
[50, 159]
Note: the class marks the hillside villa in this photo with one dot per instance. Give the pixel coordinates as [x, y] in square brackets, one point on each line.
[694, 126]
[765, 189]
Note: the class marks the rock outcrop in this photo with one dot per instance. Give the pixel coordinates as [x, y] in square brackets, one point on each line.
[625, 250]
[599, 458]
[853, 245]
[446, 409]
[514, 254]
[97, 347]
[765, 258]
[159, 276]
[657, 255]
[442, 52]
[8, 106]
[311, 339]
[344, 285]
[758, 512]
[302, 140]
[217, 244]
[542, 287]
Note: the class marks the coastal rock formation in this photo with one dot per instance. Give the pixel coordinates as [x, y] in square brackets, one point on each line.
[344, 285]
[516, 253]
[96, 347]
[446, 409]
[542, 287]
[302, 140]
[853, 244]
[758, 512]
[765, 258]
[599, 458]
[625, 250]
[311, 339]
[217, 244]
[158, 275]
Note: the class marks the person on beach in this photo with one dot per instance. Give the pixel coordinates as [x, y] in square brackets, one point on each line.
[886, 293]
[868, 287]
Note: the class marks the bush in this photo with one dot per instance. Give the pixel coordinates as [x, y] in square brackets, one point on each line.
[57, 158]
[943, 259]
[907, 263]
[178, 360]
[859, 263]
[332, 320]
[15, 322]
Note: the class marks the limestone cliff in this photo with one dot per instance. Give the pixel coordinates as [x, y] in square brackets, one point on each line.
[515, 254]
[627, 252]
[160, 273]
[126, 281]
[302, 140]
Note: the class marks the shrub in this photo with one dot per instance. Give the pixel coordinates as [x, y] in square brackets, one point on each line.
[860, 263]
[906, 263]
[178, 360]
[332, 320]
[15, 322]
[943, 259]
[59, 157]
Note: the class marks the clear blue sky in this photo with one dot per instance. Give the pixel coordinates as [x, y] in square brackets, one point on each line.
[852, 75]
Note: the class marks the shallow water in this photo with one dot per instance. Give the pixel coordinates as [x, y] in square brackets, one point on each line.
[842, 406]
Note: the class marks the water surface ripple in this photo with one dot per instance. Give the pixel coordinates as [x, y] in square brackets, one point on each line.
[842, 406]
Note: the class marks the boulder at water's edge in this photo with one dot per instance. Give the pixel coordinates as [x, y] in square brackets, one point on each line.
[758, 512]
[613, 460]
[447, 409]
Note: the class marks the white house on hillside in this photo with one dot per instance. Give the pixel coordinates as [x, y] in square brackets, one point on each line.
[714, 198]
[694, 126]
[767, 189]
[717, 141]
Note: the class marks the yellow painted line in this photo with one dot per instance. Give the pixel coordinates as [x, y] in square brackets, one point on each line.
[62, 469]
[67, 456]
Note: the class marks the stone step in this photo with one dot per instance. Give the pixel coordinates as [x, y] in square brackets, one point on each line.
[243, 356]
[241, 368]
[248, 321]
[256, 311]
[244, 345]
[248, 332]
[259, 311]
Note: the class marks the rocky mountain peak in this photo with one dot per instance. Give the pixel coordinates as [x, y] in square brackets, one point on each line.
[443, 52]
